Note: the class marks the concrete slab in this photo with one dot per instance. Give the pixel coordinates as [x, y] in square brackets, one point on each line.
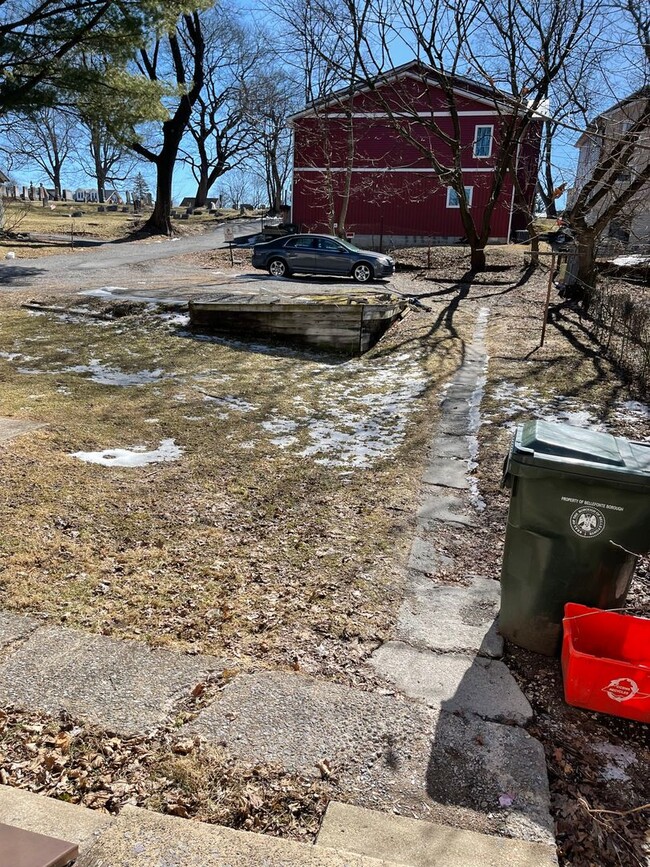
[448, 472]
[424, 557]
[450, 617]
[450, 446]
[454, 421]
[14, 427]
[13, 627]
[454, 682]
[445, 508]
[123, 686]
[385, 751]
[424, 844]
[139, 838]
[51, 817]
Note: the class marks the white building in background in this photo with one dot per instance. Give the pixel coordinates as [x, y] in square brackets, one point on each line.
[631, 227]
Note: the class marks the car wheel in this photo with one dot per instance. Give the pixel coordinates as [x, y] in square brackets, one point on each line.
[278, 268]
[362, 272]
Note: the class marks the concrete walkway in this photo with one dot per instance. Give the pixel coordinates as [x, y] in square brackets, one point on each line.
[443, 741]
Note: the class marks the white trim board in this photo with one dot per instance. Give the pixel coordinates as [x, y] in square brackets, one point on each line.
[407, 114]
[386, 169]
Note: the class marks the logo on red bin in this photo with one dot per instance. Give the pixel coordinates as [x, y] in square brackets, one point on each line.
[623, 689]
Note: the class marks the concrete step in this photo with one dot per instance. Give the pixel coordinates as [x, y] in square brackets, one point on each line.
[424, 844]
[141, 838]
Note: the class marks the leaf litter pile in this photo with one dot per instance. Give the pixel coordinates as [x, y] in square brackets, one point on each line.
[182, 777]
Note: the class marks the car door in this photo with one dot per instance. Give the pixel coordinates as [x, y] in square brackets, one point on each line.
[331, 257]
[300, 253]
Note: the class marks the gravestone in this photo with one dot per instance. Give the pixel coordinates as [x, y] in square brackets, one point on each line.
[112, 208]
[101, 209]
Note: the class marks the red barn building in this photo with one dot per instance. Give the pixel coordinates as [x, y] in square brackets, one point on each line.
[372, 143]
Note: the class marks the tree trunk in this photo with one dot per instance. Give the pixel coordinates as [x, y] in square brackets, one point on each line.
[477, 258]
[586, 257]
[534, 241]
[160, 220]
[202, 189]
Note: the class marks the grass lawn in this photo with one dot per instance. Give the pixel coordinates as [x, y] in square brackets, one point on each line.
[277, 533]
[23, 218]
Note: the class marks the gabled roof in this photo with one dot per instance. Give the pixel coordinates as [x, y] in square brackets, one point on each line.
[413, 69]
[3, 178]
[592, 126]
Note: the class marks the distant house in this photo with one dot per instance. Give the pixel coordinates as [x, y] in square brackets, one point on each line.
[631, 226]
[85, 195]
[112, 197]
[3, 178]
[396, 194]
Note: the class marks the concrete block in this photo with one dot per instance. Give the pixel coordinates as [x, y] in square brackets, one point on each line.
[385, 751]
[140, 838]
[425, 844]
[447, 472]
[123, 686]
[454, 682]
[15, 626]
[451, 618]
[51, 817]
[424, 557]
[450, 446]
[446, 508]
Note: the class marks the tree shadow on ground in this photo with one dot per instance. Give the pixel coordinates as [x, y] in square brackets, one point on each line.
[15, 276]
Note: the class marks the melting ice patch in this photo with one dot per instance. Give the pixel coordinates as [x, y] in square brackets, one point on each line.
[365, 408]
[105, 375]
[136, 456]
[516, 400]
[618, 759]
[520, 400]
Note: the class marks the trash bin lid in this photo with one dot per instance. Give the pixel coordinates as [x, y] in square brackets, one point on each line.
[569, 449]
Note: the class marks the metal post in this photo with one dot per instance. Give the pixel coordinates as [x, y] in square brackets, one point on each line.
[548, 299]
[232, 261]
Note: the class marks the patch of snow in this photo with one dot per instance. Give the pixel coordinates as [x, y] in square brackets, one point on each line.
[365, 406]
[284, 442]
[631, 260]
[136, 456]
[182, 320]
[230, 401]
[104, 291]
[193, 417]
[280, 425]
[105, 375]
[517, 400]
[249, 444]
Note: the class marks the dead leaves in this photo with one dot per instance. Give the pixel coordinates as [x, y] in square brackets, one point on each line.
[179, 776]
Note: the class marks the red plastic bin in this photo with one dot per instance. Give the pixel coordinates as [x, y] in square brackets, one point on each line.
[606, 661]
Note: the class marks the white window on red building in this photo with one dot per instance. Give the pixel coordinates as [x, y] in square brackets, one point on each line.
[452, 197]
[483, 141]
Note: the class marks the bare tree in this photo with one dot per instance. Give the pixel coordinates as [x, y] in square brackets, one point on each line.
[514, 49]
[328, 49]
[274, 99]
[220, 124]
[44, 138]
[177, 57]
[102, 157]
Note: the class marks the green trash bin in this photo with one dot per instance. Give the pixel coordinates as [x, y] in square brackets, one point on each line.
[579, 516]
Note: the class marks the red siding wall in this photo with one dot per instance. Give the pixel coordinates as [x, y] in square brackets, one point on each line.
[408, 198]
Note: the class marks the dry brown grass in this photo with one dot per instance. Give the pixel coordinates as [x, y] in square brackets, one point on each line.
[242, 547]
